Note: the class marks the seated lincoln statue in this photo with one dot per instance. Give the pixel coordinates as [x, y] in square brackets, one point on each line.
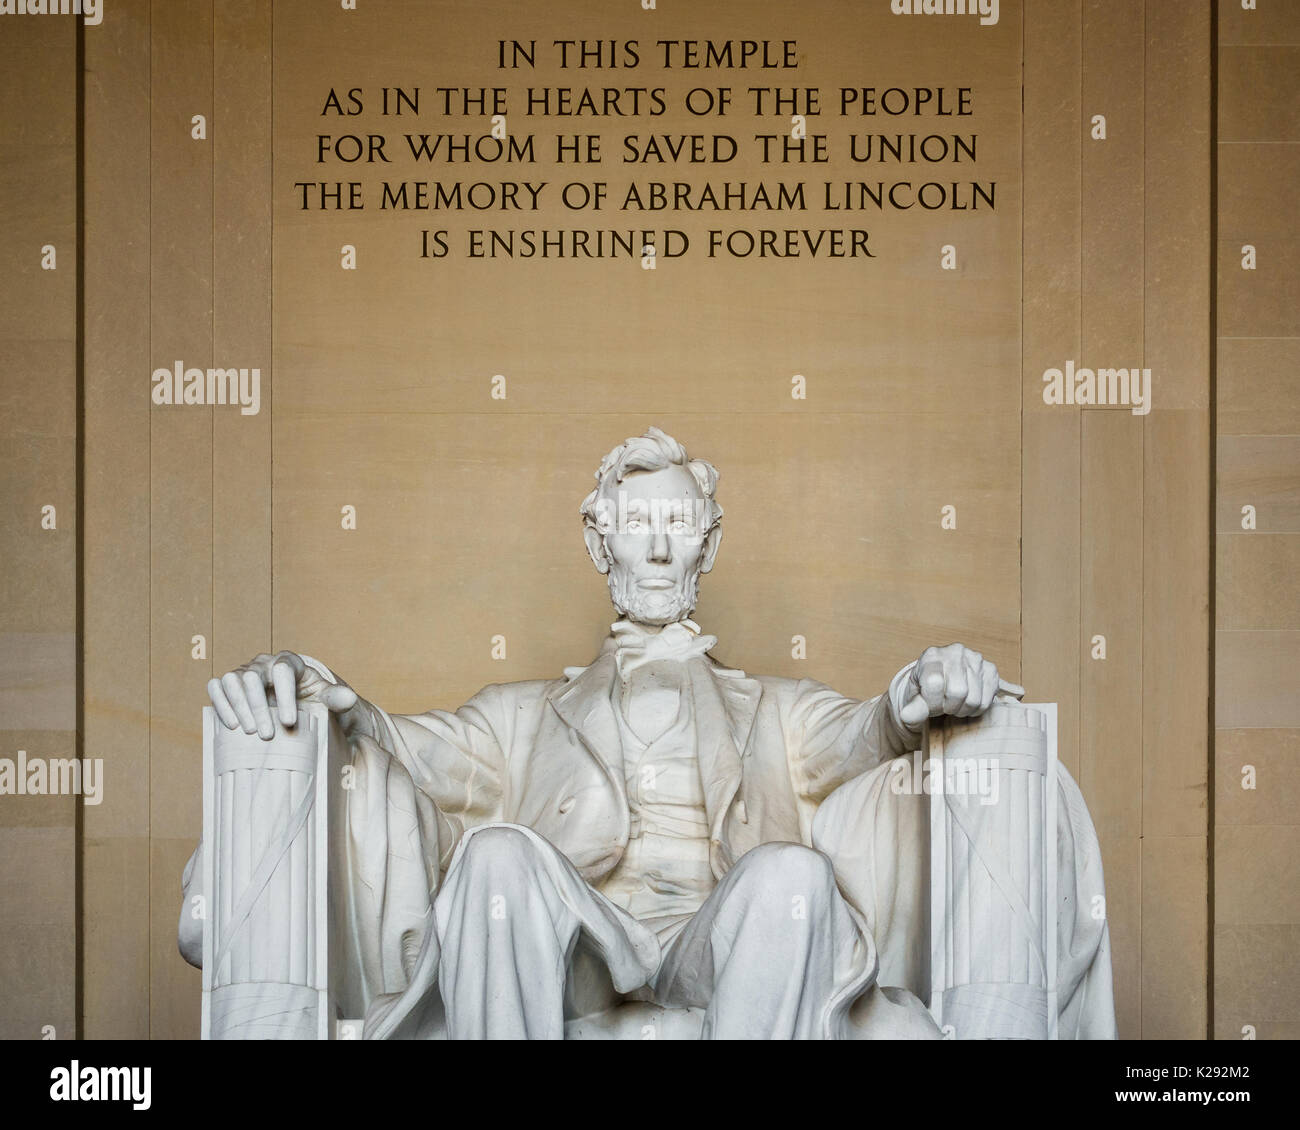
[654, 844]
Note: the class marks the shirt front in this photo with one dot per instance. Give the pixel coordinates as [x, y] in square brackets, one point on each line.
[664, 875]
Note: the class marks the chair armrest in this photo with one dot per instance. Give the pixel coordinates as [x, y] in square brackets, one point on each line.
[269, 927]
[993, 909]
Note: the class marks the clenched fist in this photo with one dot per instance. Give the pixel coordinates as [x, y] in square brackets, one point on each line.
[952, 680]
[240, 695]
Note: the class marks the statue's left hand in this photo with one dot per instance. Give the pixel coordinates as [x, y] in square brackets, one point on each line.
[952, 680]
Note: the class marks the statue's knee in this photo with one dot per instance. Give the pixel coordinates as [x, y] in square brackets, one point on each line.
[499, 851]
[786, 869]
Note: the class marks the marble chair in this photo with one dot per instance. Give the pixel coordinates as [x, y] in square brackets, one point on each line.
[273, 946]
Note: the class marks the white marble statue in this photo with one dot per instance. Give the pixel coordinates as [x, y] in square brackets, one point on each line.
[652, 844]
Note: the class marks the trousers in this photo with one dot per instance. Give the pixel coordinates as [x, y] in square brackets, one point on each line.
[775, 952]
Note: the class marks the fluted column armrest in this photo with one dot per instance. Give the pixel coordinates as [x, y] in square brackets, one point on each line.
[269, 924]
[993, 872]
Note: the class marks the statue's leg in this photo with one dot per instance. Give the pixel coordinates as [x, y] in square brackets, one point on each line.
[511, 913]
[774, 953]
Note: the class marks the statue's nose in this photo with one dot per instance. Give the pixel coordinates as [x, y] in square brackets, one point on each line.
[659, 547]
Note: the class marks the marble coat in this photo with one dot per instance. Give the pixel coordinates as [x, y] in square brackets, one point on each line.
[546, 754]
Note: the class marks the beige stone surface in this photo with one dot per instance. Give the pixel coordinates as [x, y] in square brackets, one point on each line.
[1175, 623]
[1265, 24]
[1253, 578]
[1258, 302]
[1254, 684]
[1257, 391]
[1254, 982]
[118, 536]
[1257, 651]
[1262, 471]
[1050, 437]
[38, 327]
[1174, 943]
[1258, 94]
[116, 937]
[1259, 188]
[1122, 864]
[241, 330]
[174, 996]
[1274, 756]
[376, 394]
[1177, 280]
[1257, 875]
[37, 940]
[1111, 687]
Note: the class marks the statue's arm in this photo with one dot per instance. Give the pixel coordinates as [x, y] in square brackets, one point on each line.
[833, 738]
[457, 758]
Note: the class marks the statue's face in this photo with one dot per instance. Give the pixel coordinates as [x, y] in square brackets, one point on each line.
[654, 543]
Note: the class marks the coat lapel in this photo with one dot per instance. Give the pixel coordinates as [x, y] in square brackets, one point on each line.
[584, 704]
[725, 703]
[740, 696]
[724, 706]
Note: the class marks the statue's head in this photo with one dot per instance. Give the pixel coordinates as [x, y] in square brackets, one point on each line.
[652, 525]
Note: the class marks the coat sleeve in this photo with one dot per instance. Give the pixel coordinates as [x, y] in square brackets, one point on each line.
[455, 758]
[831, 738]
[459, 759]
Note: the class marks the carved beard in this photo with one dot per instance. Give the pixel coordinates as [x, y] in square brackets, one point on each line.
[653, 606]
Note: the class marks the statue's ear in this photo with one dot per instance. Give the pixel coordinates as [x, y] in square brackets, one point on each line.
[711, 542]
[596, 548]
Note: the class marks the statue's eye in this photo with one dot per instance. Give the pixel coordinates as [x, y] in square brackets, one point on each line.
[635, 525]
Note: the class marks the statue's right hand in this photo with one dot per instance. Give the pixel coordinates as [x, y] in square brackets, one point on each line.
[240, 700]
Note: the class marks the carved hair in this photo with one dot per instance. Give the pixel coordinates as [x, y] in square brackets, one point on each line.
[652, 452]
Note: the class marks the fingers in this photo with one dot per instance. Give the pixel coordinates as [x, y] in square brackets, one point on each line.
[974, 702]
[255, 691]
[240, 696]
[956, 684]
[955, 681]
[989, 684]
[285, 673]
[927, 684]
[233, 687]
[338, 699]
[914, 712]
[931, 680]
[225, 711]
[294, 660]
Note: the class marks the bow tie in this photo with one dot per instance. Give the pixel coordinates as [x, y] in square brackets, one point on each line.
[635, 645]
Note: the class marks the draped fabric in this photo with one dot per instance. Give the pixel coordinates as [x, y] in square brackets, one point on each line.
[782, 762]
